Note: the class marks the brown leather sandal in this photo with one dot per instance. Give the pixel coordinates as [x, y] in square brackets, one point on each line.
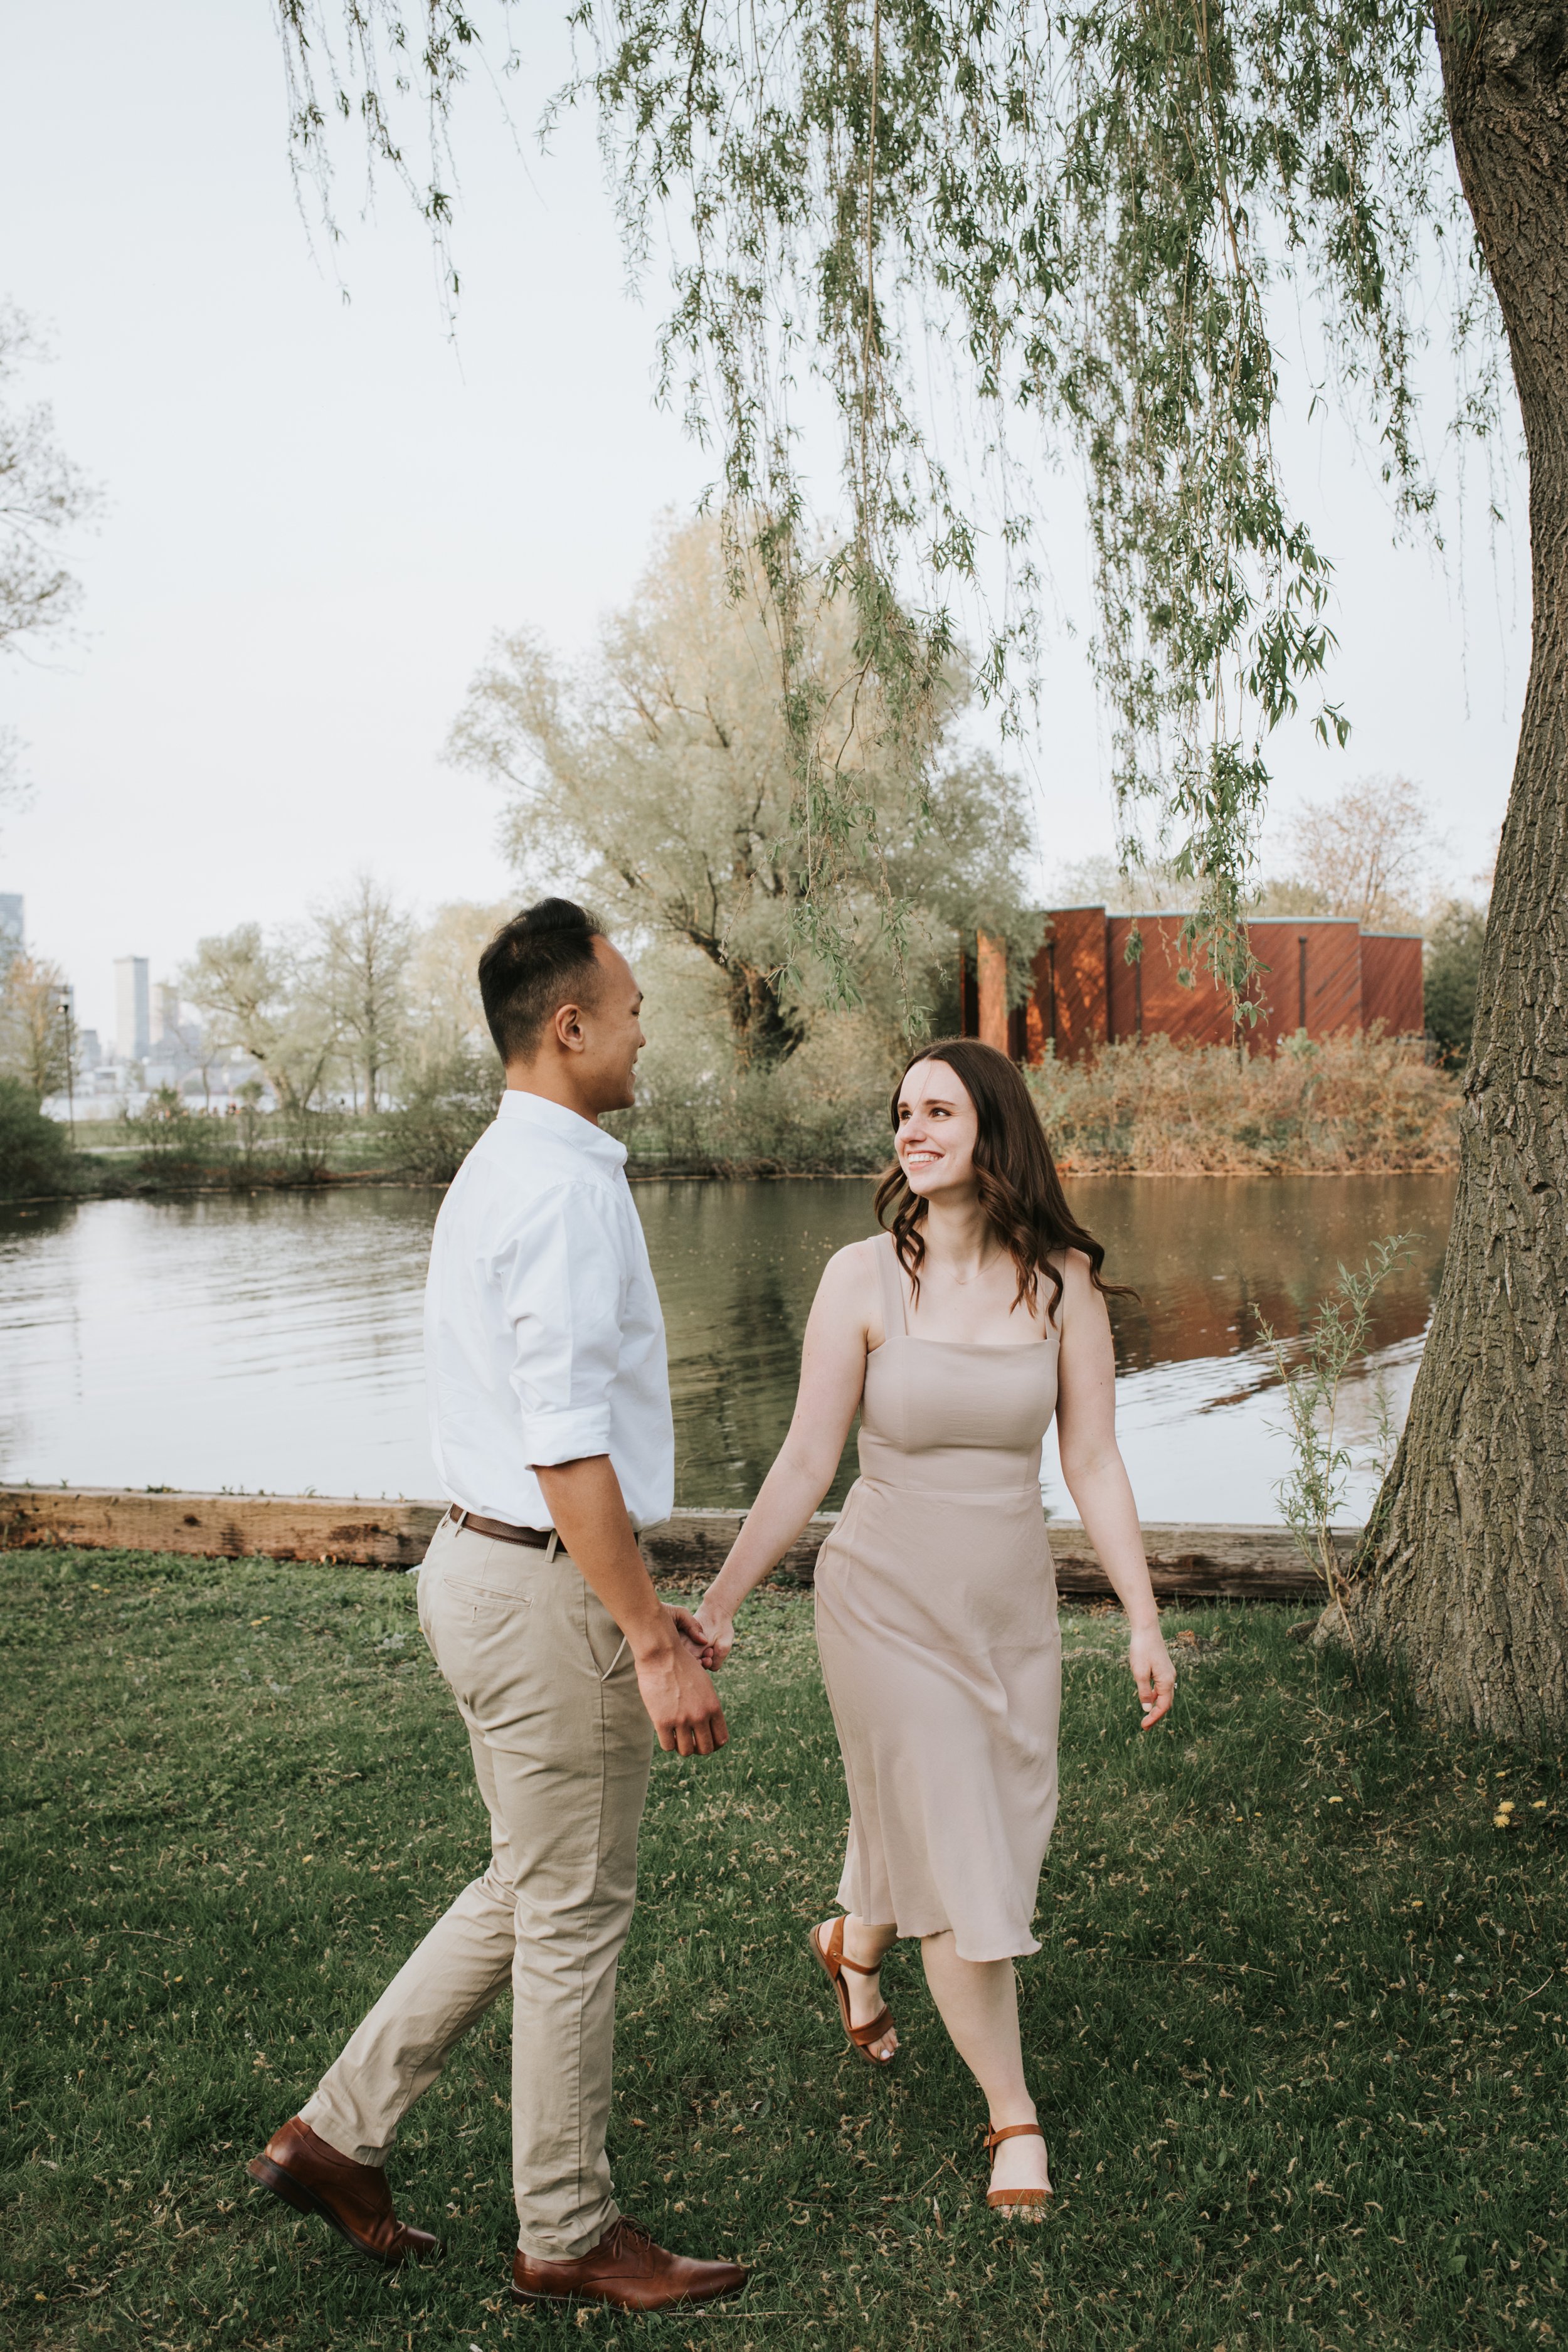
[831, 1960]
[1003, 2199]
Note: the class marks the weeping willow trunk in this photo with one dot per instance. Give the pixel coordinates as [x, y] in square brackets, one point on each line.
[1468, 1573]
[764, 1032]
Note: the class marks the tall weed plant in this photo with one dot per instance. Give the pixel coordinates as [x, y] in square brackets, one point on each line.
[1365, 1103]
[1312, 1491]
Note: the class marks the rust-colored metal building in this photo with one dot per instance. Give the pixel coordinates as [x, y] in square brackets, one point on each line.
[1318, 974]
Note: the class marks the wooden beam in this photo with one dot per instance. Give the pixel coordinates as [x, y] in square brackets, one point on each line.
[225, 1527]
[1243, 1563]
[990, 966]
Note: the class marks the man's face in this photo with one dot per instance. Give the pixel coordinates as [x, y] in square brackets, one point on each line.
[612, 1034]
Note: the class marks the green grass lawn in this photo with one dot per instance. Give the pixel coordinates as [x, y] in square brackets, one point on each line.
[1297, 2026]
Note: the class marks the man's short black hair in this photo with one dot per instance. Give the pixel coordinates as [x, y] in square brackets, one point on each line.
[539, 961]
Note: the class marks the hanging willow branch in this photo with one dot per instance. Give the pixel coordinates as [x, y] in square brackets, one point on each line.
[1084, 219]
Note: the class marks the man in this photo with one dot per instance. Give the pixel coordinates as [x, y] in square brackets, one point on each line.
[553, 1440]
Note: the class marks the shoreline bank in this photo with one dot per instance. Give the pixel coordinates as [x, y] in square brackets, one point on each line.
[352, 1182]
[1237, 1562]
[1367, 1106]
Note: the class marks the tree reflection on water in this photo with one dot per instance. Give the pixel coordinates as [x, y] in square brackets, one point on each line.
[272, 1341]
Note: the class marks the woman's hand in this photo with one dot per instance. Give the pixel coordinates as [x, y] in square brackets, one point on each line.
[691, 1633]
[1152, 1672]
[715, 1628]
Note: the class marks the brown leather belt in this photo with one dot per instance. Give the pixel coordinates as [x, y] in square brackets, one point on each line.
[499, 1532]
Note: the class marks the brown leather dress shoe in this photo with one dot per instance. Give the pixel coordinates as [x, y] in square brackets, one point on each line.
[353, 2197]
[627, 2269]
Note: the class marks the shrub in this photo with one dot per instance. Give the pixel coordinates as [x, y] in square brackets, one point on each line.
[36, 1156]
[822, 1112]
[306, 1134]
[444, 1112]
[180, 1148]
[1453, 969]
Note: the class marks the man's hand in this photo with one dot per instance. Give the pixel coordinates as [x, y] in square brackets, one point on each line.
[683, 1704]
[590, 1517]
[691, 1631]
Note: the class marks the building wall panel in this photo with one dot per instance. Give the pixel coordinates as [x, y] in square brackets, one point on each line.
[1067, 1004]
[1147, 1000]
[968, 996]
[1123, 985]
[1391, 983]
[991, 977]
[1319, 974]
[1311, 980]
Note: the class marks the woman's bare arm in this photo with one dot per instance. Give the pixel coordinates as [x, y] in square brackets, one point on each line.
[832, 1376]
[1096, 1477]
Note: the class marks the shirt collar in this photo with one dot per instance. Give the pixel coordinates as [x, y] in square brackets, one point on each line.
[537, 1110]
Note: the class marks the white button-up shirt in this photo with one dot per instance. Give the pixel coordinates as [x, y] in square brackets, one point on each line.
[543, 1339]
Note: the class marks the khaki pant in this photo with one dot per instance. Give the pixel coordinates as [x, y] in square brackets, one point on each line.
[560, 1745]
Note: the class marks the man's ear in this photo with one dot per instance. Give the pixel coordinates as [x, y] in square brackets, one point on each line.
[566, 1021]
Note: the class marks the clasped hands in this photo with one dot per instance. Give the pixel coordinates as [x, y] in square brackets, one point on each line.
[672, 1659]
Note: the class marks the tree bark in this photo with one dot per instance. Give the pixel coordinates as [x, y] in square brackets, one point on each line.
[764, 1032]
[1468, 1576]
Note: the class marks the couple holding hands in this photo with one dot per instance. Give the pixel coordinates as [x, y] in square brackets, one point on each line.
[975, 1314]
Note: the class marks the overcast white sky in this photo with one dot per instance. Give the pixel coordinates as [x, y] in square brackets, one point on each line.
[317, 512]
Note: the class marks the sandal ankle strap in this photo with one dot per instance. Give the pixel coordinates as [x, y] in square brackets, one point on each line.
[1013, 2131]
[836, 1956]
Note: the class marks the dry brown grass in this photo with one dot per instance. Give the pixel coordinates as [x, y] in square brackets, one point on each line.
[1370, 1104]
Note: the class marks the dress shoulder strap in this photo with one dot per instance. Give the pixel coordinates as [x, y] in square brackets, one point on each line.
[894, 1309]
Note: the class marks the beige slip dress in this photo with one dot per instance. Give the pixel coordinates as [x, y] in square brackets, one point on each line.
[936, 1624]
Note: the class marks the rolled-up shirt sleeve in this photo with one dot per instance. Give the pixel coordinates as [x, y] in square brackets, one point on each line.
[562, 1277]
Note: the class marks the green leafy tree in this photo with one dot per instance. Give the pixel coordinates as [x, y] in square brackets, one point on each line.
[363, 942]
[1106, 216]
[658, 780]
[1367, 854]
[34, 1031]
[1455, 951]
[42, 495]
[36, 1157]
[263, 998]
[446, 1018]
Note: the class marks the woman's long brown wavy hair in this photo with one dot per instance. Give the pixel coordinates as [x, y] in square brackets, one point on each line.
[1020, 1190]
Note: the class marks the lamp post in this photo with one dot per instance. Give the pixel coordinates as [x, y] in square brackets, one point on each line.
[71, 1069]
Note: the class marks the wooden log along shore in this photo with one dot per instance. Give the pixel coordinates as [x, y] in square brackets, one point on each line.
[1187, 1563]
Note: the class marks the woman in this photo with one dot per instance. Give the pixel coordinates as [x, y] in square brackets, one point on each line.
[956, 1333]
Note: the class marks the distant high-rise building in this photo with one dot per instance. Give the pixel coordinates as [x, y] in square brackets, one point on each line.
[165, 1013]
[132, 1011]
[88, 1052]
[12, 928]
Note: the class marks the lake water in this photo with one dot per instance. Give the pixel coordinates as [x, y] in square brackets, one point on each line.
[271, 1343]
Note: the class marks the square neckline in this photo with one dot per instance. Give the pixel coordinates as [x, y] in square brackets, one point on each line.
[890, 1277]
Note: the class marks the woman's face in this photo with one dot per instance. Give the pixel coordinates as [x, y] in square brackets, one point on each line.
[937, 1129]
